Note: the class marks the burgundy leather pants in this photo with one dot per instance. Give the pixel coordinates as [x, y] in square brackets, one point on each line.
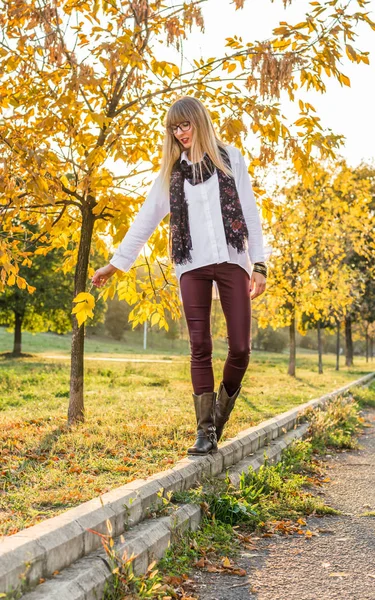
[233, 283]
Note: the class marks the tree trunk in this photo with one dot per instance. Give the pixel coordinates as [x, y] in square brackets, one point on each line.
[320, 359]
[17, 344]
[367, 346]
[258, 337]
[292, 348]
[338, 345]
[214, 318]
[349, 341]
[76, 406]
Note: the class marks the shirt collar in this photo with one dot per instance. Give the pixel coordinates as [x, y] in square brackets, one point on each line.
[184, 156]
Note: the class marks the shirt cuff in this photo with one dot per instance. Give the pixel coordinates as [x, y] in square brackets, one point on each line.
[122, 263]
[257, 257]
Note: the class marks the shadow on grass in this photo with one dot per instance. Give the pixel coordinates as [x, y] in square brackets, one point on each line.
[12, 356]
[250, 404]
[42, 451]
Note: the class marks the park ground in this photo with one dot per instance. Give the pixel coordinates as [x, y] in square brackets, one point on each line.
[330, 557]
[139, 417]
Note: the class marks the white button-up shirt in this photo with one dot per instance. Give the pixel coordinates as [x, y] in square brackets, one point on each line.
[207, 232]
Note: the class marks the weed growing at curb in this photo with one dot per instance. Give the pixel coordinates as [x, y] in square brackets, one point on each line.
[22, 589]
[162, 508]
[274, 492]
[364, 396]
[212, 539]
[335, 426]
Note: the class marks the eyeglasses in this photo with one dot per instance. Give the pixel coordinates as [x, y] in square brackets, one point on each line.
[184, 126]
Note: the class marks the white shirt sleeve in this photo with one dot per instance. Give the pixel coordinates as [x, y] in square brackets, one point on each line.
[154, 209]
[249, 209]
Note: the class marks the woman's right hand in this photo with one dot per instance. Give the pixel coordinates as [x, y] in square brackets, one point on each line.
[102, 275]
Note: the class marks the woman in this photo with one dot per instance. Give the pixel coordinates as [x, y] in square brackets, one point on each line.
[215, 235]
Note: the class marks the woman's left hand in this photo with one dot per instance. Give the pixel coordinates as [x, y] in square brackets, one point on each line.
[257, 285]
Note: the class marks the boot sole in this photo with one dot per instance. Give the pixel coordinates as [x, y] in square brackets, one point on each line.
[213, 451]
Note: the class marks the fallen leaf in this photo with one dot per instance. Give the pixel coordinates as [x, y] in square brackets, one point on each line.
[174, 580]
[239, 572]
[200, 563]
[214, 569]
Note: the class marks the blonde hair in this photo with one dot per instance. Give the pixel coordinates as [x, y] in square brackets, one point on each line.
[204, 139]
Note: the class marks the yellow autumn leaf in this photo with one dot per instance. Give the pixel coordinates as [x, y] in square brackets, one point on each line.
[351, 53]
[21, 282]
[344, 79]
[85, 297]
[83, 310]
[98, 119]
[155, 319]
[64, 180]
[42, 184]
[83, 315]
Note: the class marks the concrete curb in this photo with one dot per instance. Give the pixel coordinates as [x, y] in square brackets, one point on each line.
[57, 543]
[86, 579]
[272, 452]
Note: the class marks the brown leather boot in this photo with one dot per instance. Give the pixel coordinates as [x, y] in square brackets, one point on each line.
[224, 406]
[206, 442]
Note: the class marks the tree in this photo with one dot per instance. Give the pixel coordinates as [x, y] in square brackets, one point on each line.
[364, 267]
[173, 332]
[313, 232]
[47, 308]
[82, 83]
[367, 312]
[117, 318]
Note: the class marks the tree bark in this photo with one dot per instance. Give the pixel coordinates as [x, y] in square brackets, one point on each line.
[338, 345]
[367, 345]
[349, 341]
[76, 404]
[320, 359]
[292, 348]
[17, 344]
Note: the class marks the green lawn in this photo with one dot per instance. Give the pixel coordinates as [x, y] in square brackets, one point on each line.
[139, 420]
[51, 343]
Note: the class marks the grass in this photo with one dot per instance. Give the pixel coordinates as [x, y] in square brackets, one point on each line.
[139, 420]
[132, 343]
[273, 500]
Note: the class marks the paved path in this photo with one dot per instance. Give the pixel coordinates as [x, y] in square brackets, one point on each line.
[338, 564]
[113, 359]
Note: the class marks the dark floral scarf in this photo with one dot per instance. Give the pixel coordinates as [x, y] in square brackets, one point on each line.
[179, 232]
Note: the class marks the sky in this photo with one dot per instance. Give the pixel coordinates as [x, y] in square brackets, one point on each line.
[347, 111]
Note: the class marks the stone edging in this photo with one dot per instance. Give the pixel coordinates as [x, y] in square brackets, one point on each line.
[148, 541]
[57, 543]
